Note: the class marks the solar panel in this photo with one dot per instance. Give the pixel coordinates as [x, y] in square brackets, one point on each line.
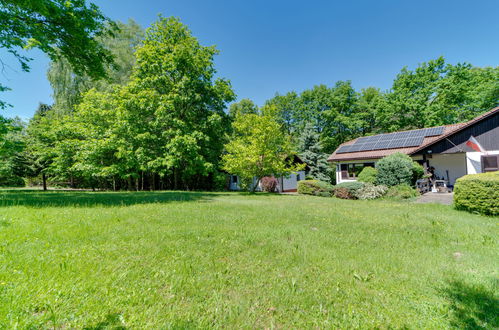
[413, 141]
[396, 144]
[363, 139]
[412, 138]
[434, 131]
[343, 149]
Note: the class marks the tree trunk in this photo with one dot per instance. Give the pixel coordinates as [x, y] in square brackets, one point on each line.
[71, 181]
[175, 179]
[255, 186]
[44, 180]
[153, 183]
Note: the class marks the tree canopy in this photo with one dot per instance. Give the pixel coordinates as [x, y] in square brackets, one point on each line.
[258, 148]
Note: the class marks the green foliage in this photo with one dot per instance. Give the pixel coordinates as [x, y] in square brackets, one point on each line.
[402, 191]
[243, 107]
[370, 191]
[478, 193]
[417, 172]
[368, 175]
[258, 148]
[315, 187]
[60, 28]
[68, 87]
[436, 93]
[310, 151]
[163, 125]
[433, 94]
[11, 146]
[395, 169]
[348, 190]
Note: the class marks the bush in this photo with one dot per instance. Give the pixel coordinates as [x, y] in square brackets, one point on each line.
[402, 191]
[315, 187]
[269, 184]
[395, 169]
[12, 181]
[417, 172]
[368, 175]
[370, 191]
[478, 193]
[347, 190]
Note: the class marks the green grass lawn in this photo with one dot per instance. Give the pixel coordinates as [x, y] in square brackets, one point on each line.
[212, 260]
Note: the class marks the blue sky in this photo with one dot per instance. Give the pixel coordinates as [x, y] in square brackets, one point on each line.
[279, 46]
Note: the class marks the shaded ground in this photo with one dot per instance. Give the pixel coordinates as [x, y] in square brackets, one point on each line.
[65, 198]
[439, 198]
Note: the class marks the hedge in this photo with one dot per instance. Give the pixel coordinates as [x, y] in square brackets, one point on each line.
[478, 193]
[315, 187]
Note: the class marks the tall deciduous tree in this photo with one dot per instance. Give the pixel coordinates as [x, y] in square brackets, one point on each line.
[60, 28]
[436, 93]
[68, 86]
[258, 148]
[243, 107]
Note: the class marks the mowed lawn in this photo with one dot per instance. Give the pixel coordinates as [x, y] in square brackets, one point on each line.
[213, 260]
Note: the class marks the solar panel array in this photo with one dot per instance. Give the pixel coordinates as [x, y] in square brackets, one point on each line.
[392, 140]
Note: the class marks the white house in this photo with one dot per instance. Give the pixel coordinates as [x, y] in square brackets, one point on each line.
[445, 148]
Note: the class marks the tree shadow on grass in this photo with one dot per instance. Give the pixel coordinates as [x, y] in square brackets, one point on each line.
[473, 306]
[87, 199]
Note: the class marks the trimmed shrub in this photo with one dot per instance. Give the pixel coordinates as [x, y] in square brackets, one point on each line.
[368, 175]
[269, 184]
[370, 191]
[395, 169]
[347, 190]
[402, 191]
[315, 187]
[478, 193]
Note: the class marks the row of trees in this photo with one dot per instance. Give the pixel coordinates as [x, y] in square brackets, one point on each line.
[158, 119]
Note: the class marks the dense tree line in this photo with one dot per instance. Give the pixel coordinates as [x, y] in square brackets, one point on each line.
[159, 118]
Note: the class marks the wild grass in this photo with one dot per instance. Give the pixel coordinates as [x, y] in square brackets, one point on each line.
[213, 260]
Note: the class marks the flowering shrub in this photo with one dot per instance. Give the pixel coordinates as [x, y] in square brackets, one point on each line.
[370, 191]
[347, 190]
[269, 184]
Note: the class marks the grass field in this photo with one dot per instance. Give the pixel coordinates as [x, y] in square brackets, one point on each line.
[212, 260]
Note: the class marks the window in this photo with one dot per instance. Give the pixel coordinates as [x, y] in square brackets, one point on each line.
[298, 177]
[490, 163]
[351, 171]
[234, 179]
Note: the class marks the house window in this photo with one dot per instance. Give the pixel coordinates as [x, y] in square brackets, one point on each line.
[298, 177]
[234, 179]
[351, 171]
[490, 163]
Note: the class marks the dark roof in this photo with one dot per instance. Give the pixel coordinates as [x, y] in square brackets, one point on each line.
[427, 141]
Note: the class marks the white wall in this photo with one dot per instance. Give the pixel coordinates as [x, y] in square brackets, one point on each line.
[291, 182]
[455, 164]
[474, 161]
